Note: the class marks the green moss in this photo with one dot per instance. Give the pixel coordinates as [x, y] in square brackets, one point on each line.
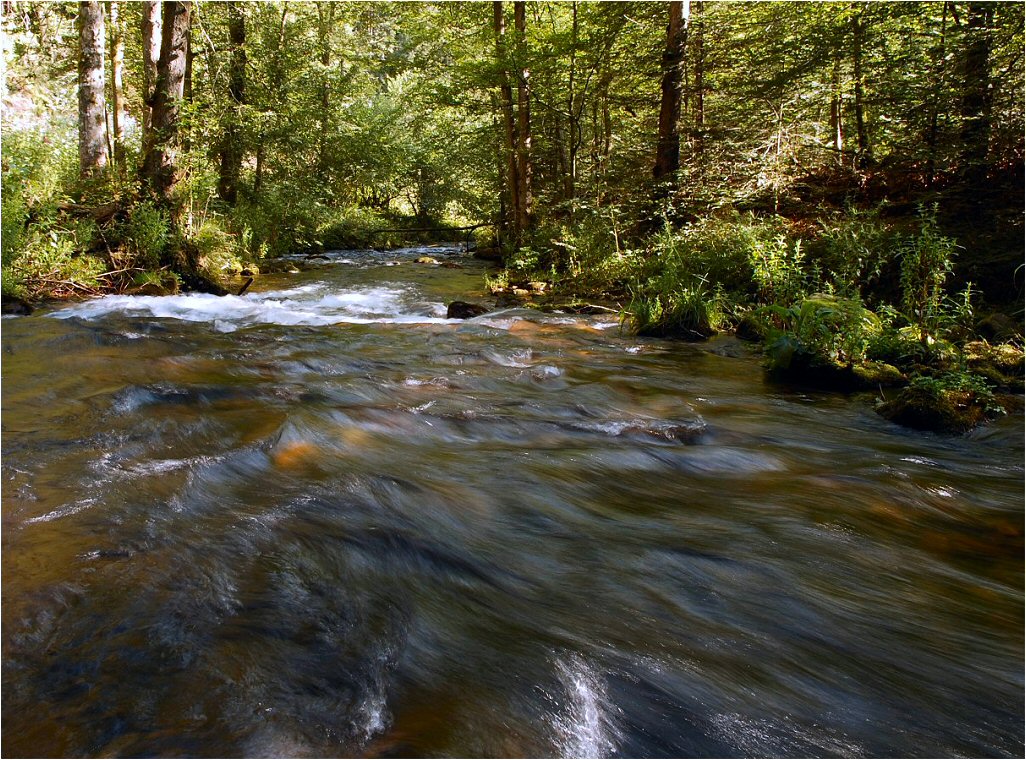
[878, 374]
[952, 403]
[1001, 365]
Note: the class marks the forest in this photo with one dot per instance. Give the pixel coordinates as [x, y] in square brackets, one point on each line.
[842, 182]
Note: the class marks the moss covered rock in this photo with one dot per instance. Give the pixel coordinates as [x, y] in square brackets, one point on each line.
[940, 406]
[1001, 365]
[871, 375]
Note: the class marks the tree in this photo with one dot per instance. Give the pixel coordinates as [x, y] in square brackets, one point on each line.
[92, 122]
[160, 164]
[976, 95]
[525, 170]
[510, 128]
[864, 149]
[151, 36]
[668, 145]
[117, 66]
[231, 142]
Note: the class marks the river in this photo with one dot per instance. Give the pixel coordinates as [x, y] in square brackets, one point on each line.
[320, 519]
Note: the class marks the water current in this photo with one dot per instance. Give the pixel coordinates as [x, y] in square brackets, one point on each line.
[320, 519]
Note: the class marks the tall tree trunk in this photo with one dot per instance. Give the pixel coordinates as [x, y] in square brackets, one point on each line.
[976, 95]
[92, 108]
[189, 56]
[668, 147]
[525, 165]
[117, 67]
[938, 84]
[325, 21]
[510, 129]
[231, 145]
[699, 35]
[572, 127]
[836, 113]
[160, 165]
[151, 35]
[863, 148]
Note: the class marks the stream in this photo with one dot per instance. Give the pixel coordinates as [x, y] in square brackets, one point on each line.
[322, 520]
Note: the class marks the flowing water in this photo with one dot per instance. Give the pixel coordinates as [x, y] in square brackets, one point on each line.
[322, 520]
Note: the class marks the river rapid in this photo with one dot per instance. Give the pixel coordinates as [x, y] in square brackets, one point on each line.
[320, 520]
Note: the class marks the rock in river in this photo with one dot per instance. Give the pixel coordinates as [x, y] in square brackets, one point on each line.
[464, 310]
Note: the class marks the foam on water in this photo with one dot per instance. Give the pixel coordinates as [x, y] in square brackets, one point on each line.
[309, 305]
[586, 726]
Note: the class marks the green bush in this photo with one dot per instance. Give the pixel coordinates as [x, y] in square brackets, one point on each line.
[855, 250]
[146, 234]
[683, 312]
[926, 261]
[823, 327]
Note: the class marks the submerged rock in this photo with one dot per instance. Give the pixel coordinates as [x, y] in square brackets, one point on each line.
[464, 310]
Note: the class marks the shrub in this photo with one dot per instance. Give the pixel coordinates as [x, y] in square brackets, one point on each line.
[684, 312]
[777, 270]
[824, 328]
[927, 259]
[146, 234]
[855, 250]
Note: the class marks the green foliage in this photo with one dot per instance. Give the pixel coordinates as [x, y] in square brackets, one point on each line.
[825, 327]
[777, 269]
[683, 312]
[927, 259]
[964, 388]
[898, 347]
[855, 249]
[146, 234]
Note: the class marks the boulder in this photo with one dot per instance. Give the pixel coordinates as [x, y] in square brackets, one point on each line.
[15, 306]
[488, 254]
[464, 310]
[997, 327]
[945, 411]
[1001, 365]
[425, 260]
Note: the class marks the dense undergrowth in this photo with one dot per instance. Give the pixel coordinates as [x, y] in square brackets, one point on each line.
[63, 238]
[846, 299]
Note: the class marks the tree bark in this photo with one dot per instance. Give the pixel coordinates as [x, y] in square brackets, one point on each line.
[325, 21]
[525, 167]
[938, 83]
[231, 145]
[976, 95]
[836, 113]
[160, 165]
[510, 129]
[92, 107]
[151, 36]
[668, 147]
[572, 127]
[699, 34]
[863, 148]
[117, 67]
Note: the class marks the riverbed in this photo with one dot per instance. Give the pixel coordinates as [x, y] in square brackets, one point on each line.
[321, 519]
